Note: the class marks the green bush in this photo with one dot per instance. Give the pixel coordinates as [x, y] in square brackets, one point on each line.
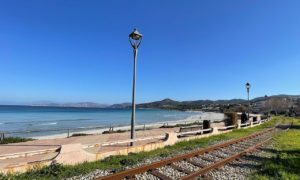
[111, 132]
[8, 140]
[231, 118]
[79, 134]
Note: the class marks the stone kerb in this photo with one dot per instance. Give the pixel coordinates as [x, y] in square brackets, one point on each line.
[215, 131]
[171, 139]
[239, 125]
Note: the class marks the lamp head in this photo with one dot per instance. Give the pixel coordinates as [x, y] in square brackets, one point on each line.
[135, 35]
[248, 85]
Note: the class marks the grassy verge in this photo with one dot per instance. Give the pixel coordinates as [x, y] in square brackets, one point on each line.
[7, 140]
[117, 163]
[286, 163]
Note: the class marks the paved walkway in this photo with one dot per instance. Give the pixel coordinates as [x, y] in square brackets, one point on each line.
[84, 140]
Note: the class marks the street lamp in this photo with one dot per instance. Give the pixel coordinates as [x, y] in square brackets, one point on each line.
[248, 85]
[135, 39]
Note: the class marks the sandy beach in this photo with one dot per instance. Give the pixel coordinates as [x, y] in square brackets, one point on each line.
[195, 118]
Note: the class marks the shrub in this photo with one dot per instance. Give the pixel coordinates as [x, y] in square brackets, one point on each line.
[7, 140]
[111, 132]
[53, 170]
[79, 134]
[231, 118]
[129, 161]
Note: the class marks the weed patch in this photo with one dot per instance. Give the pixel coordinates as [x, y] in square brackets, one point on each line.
[8, 140]
[286, 164]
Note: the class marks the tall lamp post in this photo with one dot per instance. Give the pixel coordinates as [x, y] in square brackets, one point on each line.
[248, 85]
[135, 39]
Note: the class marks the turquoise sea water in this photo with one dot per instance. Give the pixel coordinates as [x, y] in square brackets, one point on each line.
[55, 120]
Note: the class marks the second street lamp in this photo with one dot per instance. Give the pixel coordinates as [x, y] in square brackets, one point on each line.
[248, 85]
[135, 39]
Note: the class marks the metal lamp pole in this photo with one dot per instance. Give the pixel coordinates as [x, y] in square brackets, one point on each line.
[135, 39]
[248, 85]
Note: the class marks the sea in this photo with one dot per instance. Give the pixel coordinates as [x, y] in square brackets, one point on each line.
[33, 121]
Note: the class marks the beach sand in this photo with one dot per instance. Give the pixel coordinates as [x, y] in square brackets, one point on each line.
[195, 118]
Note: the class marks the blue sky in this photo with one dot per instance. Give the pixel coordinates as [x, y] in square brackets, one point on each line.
[74, 51]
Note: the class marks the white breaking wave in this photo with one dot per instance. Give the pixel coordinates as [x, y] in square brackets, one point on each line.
[47, 124]
[170, 115]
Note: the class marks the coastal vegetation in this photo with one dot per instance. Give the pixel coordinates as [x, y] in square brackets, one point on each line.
[117, 163]
[285, 163]
[8, 140]
[114, 131]
[231, 118]
[80, 134]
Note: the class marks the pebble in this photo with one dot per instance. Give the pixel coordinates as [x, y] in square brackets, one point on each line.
[201, 161]
[186, 165]
[91, 176]
[146, 176]
[170, 172]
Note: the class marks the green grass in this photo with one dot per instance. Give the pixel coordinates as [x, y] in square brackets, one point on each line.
[117, 163]
[8, 140]
[286, 164]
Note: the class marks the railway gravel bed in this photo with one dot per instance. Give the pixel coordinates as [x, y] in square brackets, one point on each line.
[245, 166]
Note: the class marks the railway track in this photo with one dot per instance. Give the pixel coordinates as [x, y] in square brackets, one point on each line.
[197, 164]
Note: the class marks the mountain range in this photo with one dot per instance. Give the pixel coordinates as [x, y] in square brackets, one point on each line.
[166, 103]
[81, 105]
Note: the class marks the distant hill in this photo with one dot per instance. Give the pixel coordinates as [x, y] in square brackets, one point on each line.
[169, 103]
[276, 96]
[120, 106]
[172, 104]
[219, 102]
[79, 105]
[198, 104]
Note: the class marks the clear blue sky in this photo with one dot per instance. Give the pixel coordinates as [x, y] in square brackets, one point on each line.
[74, 51]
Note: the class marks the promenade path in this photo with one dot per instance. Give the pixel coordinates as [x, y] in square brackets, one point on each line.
[45, 144]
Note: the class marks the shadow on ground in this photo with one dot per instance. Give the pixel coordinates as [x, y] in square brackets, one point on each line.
[283, 164]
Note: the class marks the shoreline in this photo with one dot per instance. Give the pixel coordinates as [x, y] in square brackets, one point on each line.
[194, 118]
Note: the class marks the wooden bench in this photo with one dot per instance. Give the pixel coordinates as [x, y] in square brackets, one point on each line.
[192, 130]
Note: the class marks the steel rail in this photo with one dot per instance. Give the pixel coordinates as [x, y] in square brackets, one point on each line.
[195, 174]
[153, 166]
[222, 162]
